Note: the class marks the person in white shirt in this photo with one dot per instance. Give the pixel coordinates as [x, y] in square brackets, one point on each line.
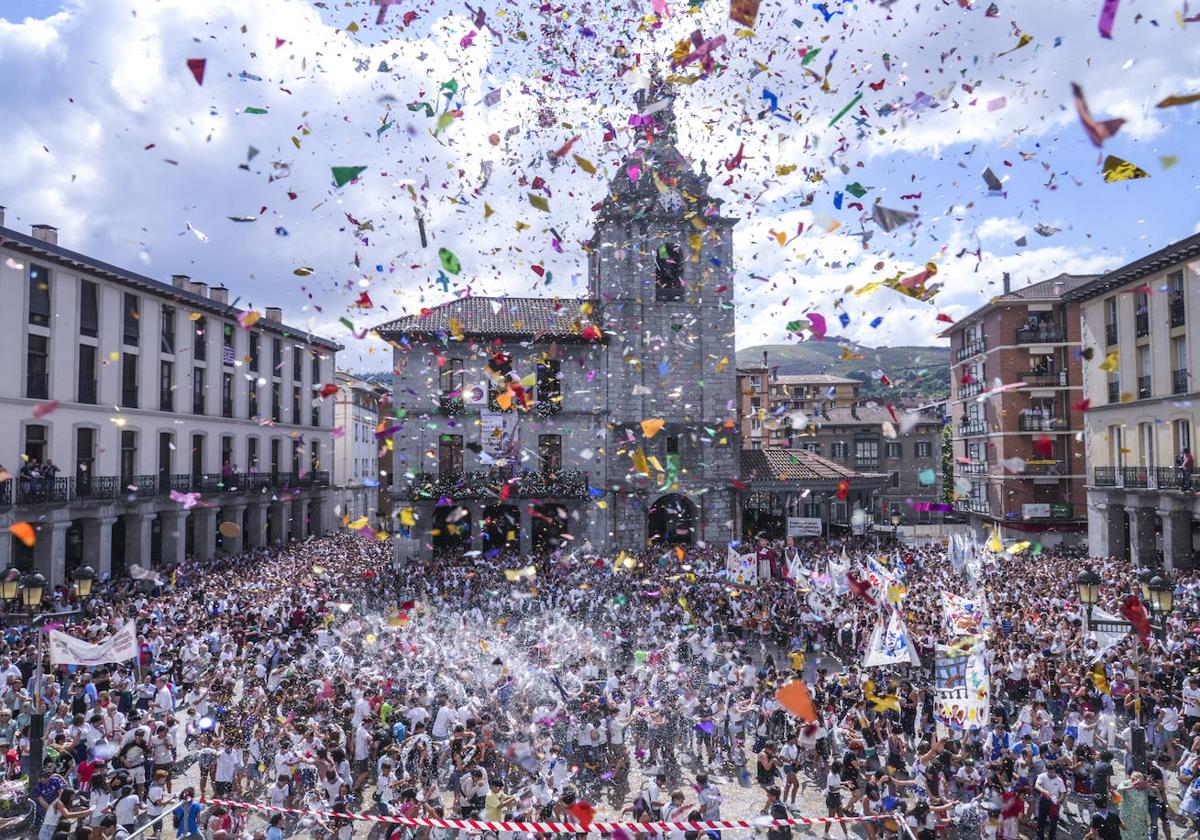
[229, 763]
[1052, 791]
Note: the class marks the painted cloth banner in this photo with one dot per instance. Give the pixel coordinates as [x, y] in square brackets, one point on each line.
[1105, 638]
[499, 437]
[962, 687]
[119, 647]
[742, 569]
[962, 616]
[890, 644]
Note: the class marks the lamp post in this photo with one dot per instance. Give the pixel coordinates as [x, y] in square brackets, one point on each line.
[1158, 597]
[27, 592]
[896, 520]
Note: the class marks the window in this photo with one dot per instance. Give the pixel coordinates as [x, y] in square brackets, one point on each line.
[254, 348]
[1175, 303]
[315, 457]
[274, 456]
[550, 453]
[549, 385]
[35, 442]
[167, 334]
[838, 450]
[296, 418]
[1141, 314]
[85, 454]
[276, 411]
[1183, 436]
[131, 331]
[894, 478]
[89, 308]
[198, 390]
[227, 464]
[809, 446]
[87, 374]
[129, 380]
[450, 455]
[1116, 452]
[197, 457]
[276, 356]
[39, 296]
[37, 376]
[200, 340]
[315, 413]
[252, 397]
[1143, 362]
[1146, 444]
[166, 386]
[226, 394]
[296, 446]
[1179, 365]
[894, 449]
[128, 455]
[866, 451]
[252, 454]
[668, 274]
[924, 449]
[316, 368]
[452, 378]
[227, 353]
[297, 364]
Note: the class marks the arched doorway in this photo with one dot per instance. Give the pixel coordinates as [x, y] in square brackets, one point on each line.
[549, 524]
[501, 527]
[671, 520]
[451, 528]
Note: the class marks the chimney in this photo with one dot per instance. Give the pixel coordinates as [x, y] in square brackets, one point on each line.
[1058, 289]
[46, 233]
[1007, 283]
[199, 288]
[764, 360]
[1, 216]
[181, 281]
[275, 313]
[219, 293]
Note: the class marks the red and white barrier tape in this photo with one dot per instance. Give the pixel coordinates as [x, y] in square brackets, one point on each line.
[553, 827]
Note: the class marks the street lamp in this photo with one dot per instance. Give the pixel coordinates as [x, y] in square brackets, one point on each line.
[84, 577]
[1144, 576]
[1089, 589]
[1162, 596]
[9, 586]
[33, 586]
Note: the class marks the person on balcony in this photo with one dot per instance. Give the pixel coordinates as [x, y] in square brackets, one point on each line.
[1184, 463]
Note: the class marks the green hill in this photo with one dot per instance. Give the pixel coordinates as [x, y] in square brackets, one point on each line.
[917, 373]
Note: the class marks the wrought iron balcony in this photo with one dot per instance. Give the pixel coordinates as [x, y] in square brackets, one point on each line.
[1178, 317]
[1040, 423]
[1114, 392]
[1141, 324]
[570, 484]
[977, 468]
[1110, 334]
[1144, 387]
[972, 505]
[1044, 380]
[971, 348]
[39, 491]
[1179, 381]
[1043, 334]
[969, 390]
[1104, 476]
[972, 428]
[1137, 478]
[866, 463]
[1043, 467]
[1176, 478]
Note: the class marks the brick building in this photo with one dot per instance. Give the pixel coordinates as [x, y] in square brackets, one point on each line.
[524, 417]
[1014, 394]
[767, 400]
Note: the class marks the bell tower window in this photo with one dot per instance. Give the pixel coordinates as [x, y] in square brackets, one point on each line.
[668, 274]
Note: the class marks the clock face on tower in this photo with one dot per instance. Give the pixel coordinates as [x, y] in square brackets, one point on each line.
[670, 200]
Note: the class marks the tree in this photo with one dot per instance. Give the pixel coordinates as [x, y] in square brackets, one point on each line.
[947, 465]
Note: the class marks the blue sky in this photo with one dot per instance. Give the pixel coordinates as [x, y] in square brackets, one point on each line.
[113, 141]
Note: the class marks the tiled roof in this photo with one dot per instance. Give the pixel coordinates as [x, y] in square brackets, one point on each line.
[791, 465]
[1177, 252]
[496, 316]
[813, 379]
[868, 415]
[1068, 287]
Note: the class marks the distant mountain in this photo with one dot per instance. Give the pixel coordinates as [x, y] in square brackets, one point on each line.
[916, 373]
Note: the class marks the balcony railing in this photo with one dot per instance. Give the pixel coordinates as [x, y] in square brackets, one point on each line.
[971, 504]
[1043, 467]
[37, 386]
[1175, 478]
[1040, 423]
[978, 468]
[1136, 477]
[971, 348]
[1104, 476]
[972, 428]
[969, 390]
[450, 406]
[1179, 381]
[1110, 334]
[1114, 392]
[1177, 313]
[1041, 334]
[84, 487]
[570, 484]
[1143, 387]
[866, 463]
[1141, 324]
[1044, 380]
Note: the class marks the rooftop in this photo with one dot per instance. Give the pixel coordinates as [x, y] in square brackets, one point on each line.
[1173, 254]
[792, 465]
[514, 317]
[1056, 290]
[812, 379]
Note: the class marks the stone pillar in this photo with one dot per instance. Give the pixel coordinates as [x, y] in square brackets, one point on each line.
[204, 532]
[233, 513]
[318, 507]
[476, 511]
[97, 544]
[6, 558]
[299, 518]
[1142, 528]
[525, 534]
[137, 538]
[279, 522]
[174, 536]
[1177, 539]
[255, 534]
[50, 551]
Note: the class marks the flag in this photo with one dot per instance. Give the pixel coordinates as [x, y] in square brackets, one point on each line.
[741, 569]
[890, 644]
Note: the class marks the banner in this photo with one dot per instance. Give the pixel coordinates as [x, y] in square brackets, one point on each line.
[1104, 638]
[741, 569]
[498, 436]
[890, 644]
[804, 526]
[963, 616]
[119, 647]
[962, 687]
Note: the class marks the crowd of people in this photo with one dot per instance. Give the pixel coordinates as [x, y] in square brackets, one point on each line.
[318, 677]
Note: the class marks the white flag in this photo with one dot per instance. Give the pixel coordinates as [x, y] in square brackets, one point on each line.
[742, 569]
[119, 647]
[890, 645]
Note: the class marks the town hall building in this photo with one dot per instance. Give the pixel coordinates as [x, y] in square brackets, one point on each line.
[601, 423]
